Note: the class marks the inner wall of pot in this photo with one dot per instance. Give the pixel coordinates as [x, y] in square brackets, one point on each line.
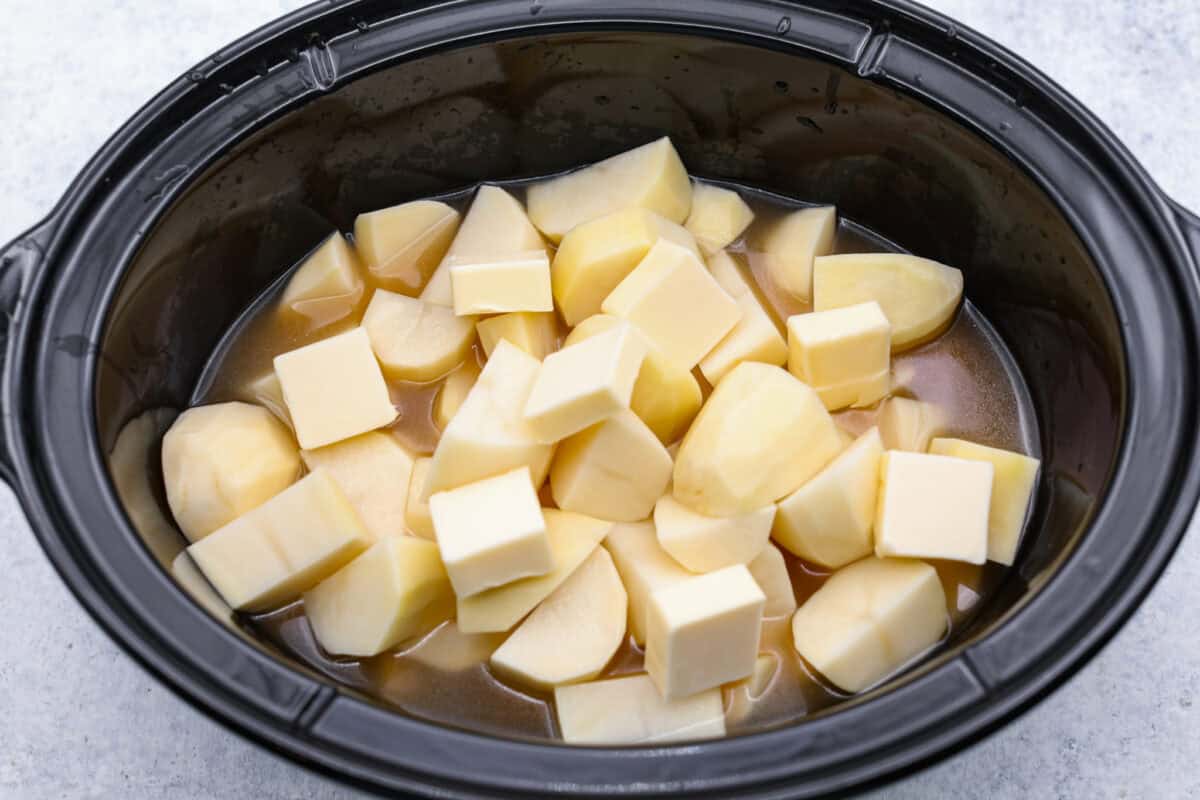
[799, 127]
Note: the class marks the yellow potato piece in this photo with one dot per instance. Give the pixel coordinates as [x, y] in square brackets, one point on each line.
[454, 391]
[769, 571]
[373, 470]
[718, 216]
[535, 333]
[702, 543]
[644, 567]
[267, 391]
[907, 424]
[188, 575]
[416, 510]
[843, 353]
[415, 340]
[450, 650]
[753, 338]
[630, 710]
[327, 287]
[402, 245]
[790, 246]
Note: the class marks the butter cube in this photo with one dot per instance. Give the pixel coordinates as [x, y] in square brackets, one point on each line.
[718, 216]
[907, 424]
[394, 591]
[519, 282]
[704, 544]
[415, 340]
[630, 710]
[273, 554]
[416, 510]
[491, 532]
[326, 287]
[650, 176]
[933, 507]
[704, 631]
[675, 303]
[869, 619]
[489, 434]
[753, 338]
[585, 383]
[770, 572]
[535, 333]
[761, 434]
[572, 537]
[1012, 491]
[373, 470]
[791, 246]
[596, 256]
[845, 354]
[267, 391]
[454, 391]
[829, 520]
[614, 470]
[223, 460]
[644, 567]
[666, 397]
[334, 389]
[402, 245]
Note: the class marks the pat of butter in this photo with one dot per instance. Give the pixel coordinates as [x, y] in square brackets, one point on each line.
[702, 543]
[770, 572]
[454, 391]
[792, 244]
[753, 338]
[416, 509]
[630, 710]
[402, 245]
[718, 216]
[845, 353]
[644, 567]
[535, 333]
[327, 286]
[415, 340]
[373, 470]
[517, 282]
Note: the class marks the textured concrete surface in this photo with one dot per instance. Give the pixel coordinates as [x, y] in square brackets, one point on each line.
[79, 719]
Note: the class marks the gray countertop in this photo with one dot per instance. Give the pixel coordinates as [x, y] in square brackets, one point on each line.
[80, 719]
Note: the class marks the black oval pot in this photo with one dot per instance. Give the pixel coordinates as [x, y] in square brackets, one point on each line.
[925, 132]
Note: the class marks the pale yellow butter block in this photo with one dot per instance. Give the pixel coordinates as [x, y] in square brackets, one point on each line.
[614, 470]
[770, 572]
[630, 710]
[1012, 491]
[491, 532]
[283, 548]
[572, 538]
[675, 303]
[755, 336]
[792, 244]
[394, 591]
[414, 340]
[704, 631]
[650, 176]
[223, 460]
[454, 391]
[596, 256]
[535, 333]
[933, 507]
[761, 434]
[907, 424]
[702, 543]
[334, 389]
[266, 391]
[520, 282]
[327, 286]
[585, 383]
[845, 354]
[374, 471]
[869, 619]
[718, 216]
[644, 567]
[416, 508]
[829, 520]
[403, 244]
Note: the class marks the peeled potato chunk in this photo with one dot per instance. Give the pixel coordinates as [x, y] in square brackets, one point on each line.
[650, 176]
[374, 471]
[1012, 491]
[450, 650]
[416, 509]
[753, 338]
[573, 634]
[718, 216]
[454, 391]
[769, 571]
[267, 391]
[791, 245]
[869, 619]
[188, 575]
[761, 434]
[828, 521]
[907, 424]
[402, 245]
[918, 296]
[535, 333]
[704, 544]
[644, 567]
[221, 461]
[327, 286]
[415, 340]
[394, 591]
[844, 353]
[630, 710]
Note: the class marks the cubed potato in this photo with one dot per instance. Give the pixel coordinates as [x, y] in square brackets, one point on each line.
[614, 470]
[791, 245]
[402, 245]
[650, 176]
[448, 649]
[702, 543]
[869, 619]
[644, 567]
[573, 634]
[188, 575]
[718, 216]
[844, 353]
[666, 397]
[761, 434]
[933, 507]
[489, 434]
[1012, 491]
[535, 333]
[770, 572]
[907, 424]
[630, 710]
[829, 520]
[494, 228]
[517, 282]
[374, 471]
[267, 391]
[491, 532]
[572, 537]
[334, 389]
[223, 460]
[454, 391]
[597, 255]
[675, 303]
[918, 296]
[585, 383]
[414, 340]
[753, 338]
[273, 554]
[766, 667]
[327, 287]
[394, 591]
[704, 631]
[416, 509]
